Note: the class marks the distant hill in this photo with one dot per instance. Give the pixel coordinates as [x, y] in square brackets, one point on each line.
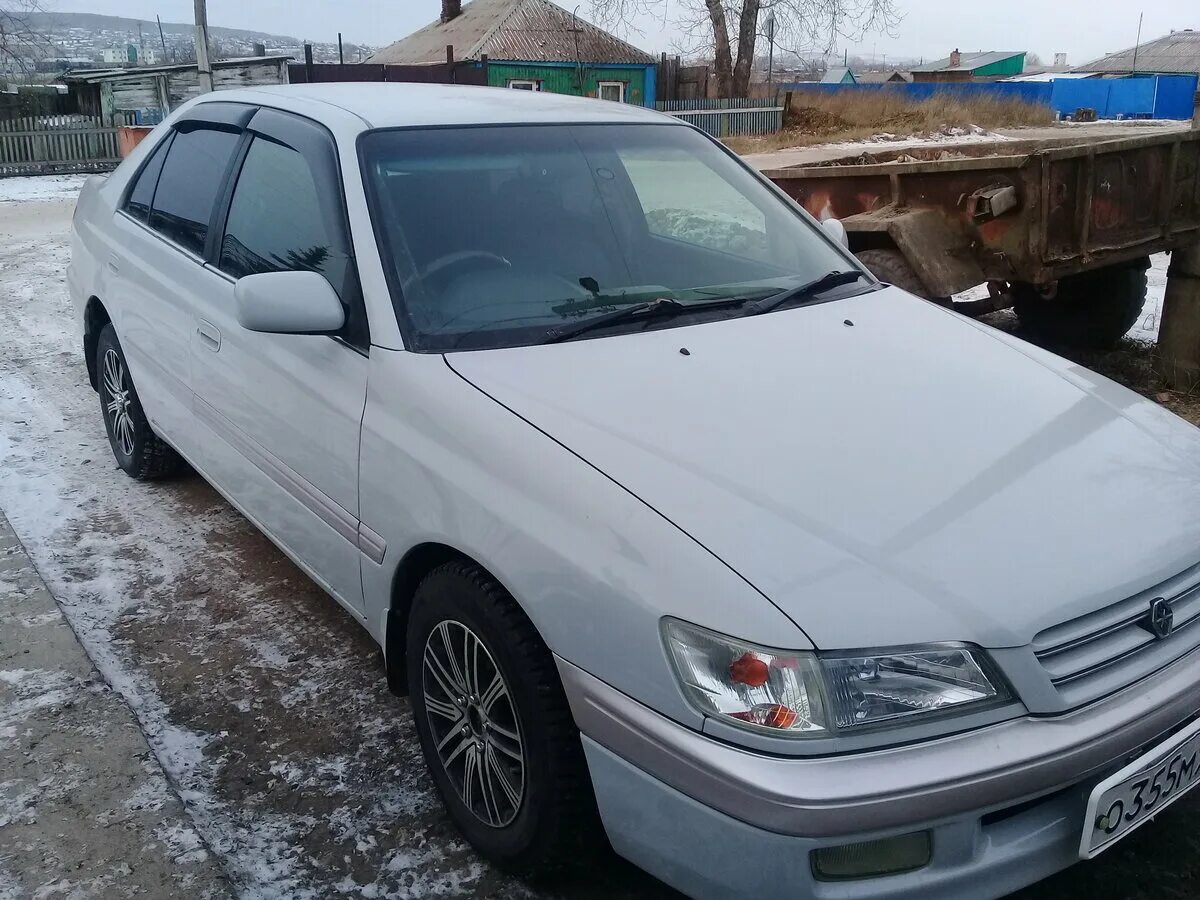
[57, 21]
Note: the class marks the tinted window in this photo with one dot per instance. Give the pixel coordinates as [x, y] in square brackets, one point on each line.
[275, 222]
[502, 236]
[188, 186]
[138, 204]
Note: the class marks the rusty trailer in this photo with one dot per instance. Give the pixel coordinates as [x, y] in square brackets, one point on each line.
[1036, 222]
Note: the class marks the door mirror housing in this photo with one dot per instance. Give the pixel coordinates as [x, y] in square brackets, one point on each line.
[837, 231]
[288, 303]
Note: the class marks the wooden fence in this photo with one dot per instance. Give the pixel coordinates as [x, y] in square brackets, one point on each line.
[50, 145]
[460, 72]
[727, 118]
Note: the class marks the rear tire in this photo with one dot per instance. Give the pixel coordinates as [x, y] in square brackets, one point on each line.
[891, 267]
[140, 452]
[538, 818]
[1092, 310]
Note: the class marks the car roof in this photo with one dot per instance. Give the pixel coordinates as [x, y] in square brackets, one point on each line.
[381, 105]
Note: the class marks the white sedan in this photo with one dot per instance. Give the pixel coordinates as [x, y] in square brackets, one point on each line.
[681, 530]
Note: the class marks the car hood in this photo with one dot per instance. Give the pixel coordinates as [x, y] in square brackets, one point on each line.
[883, 470]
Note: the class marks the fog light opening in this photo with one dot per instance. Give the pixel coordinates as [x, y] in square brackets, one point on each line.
[873, 859]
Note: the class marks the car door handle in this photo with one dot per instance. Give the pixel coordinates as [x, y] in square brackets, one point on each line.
[112, 264]
[210, 335]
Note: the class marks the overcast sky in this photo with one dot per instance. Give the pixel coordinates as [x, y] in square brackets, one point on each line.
[931, 28]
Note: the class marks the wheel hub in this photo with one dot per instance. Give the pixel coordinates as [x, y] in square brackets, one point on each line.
[473, 720]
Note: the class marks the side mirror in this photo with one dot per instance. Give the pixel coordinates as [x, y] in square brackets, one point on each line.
[837, 231]
[288, 303]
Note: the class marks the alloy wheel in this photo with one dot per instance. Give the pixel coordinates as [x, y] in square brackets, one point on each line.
[118, 401]
[475, 726]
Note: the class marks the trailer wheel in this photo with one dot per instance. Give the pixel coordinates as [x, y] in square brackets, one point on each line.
[1092, 309]
[891, 267]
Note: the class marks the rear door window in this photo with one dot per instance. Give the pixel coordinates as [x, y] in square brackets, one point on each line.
[191, 179]
[140, 197]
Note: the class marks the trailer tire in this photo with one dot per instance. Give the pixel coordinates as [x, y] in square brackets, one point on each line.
[891, 267]
[1092, 310]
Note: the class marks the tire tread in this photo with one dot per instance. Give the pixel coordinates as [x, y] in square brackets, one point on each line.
[565, 849]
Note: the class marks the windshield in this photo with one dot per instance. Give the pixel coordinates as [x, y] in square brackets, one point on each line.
[502, 236]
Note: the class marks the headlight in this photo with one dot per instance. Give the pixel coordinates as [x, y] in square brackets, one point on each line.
[807, 694]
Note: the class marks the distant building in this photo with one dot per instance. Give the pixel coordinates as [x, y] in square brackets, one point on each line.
[1177, 53]
[839, 75]
[532, 45]
[150, 56]
[119, 56]
[893, 77]
[969, 66]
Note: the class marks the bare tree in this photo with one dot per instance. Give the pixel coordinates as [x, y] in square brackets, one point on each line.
[20, 41]
[728, 30]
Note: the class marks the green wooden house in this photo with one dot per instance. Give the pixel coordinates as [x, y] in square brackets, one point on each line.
[532, 45]
[959, 66]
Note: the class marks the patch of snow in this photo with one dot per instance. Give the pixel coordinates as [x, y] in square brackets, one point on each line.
[23, 189]
[9, 888]
[1148, 324]
[947, 136]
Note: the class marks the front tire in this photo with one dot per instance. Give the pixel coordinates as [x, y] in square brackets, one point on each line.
[140, 452]
[495, 727]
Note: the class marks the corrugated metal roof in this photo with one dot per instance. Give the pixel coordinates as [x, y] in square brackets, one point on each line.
[1050, 76]
[1176, 53]
[525, 30]
[969, 61]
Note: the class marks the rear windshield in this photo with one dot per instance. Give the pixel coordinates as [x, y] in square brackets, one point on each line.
[497, 236]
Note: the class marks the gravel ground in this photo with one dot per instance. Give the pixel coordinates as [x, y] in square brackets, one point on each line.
[263, 702]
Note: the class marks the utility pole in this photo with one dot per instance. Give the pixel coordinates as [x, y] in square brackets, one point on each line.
[162, 40]
[771, 55]
[341, 56]
[1137, 46]
[203, 68]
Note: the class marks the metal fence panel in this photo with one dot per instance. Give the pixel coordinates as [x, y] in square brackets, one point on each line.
[739, 117]
[49, 145]
[1157, 96]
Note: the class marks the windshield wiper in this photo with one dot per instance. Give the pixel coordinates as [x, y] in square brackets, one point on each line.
[662, 306]
[803, 292]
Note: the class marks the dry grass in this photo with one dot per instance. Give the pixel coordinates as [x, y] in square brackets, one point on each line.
[818, 118]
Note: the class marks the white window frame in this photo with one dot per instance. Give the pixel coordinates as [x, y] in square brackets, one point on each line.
[619, 85]
[522, 84]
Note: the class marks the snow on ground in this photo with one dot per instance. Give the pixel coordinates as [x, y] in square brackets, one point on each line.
[1147, 325]
[40, 187]
[947, 137]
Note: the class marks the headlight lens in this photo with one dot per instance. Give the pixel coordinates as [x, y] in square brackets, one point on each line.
[806, 694]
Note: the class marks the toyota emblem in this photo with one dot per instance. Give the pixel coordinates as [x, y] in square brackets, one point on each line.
[1162, 617]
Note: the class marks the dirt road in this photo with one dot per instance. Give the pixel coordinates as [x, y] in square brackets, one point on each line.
[264, 703]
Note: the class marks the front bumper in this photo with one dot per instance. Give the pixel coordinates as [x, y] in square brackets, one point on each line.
[711, 818]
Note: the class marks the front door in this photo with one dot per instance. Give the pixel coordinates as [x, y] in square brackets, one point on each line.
[284, 410]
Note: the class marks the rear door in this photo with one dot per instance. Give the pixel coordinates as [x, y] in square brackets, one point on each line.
[283, 410]
[156, 259]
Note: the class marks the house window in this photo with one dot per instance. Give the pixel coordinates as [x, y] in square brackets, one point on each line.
[524, 84]
[612, 90]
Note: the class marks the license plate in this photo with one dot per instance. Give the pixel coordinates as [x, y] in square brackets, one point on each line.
[1141, 790]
